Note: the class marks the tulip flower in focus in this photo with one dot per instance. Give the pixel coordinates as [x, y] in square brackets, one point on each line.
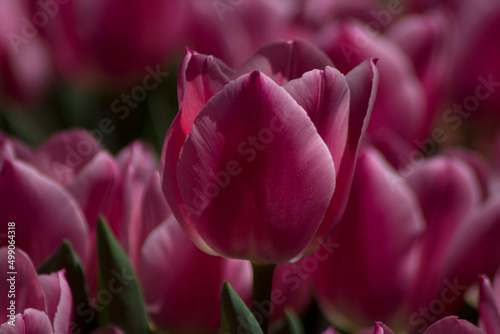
[407, 242]
[258, 162]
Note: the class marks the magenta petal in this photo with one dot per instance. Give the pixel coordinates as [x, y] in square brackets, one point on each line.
[44, 212]
[28, 291]
[154, 210]
[254, 172]
[448, 192]
[324, 95]
[64, 154]
[362, 81]
[330, 330]
[477, 236]
[187, 274]
[32, 321]
[453, 325]
[380, 328]
[59, 301]
[95, 187]
[401, 99]
[20, 150]
[488, 307]
[367, 276]
[200, 78]
[283, 61]
[137, 163]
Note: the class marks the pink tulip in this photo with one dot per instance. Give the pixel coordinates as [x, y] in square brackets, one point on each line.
[43, 304]
[232, 31]
[478, 84]
[430, 41]
[374, 261]
[249, 167]
[24, 60]
[182, 285]
[44, 212]
[348, 43]
[107, 40]
[409, 247]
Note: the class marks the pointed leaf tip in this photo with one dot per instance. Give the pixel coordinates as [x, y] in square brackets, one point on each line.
[235, 315]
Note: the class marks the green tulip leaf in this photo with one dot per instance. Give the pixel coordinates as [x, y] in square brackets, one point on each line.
[236, 317]
[119, 298]
[293, 323]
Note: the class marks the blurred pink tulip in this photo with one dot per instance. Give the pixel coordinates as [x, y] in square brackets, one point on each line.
[476, 75]
[44, 212]
[187, 297]
[232, 31]
[42, 304]
[430, 41]
[401, 101]
[489, 304]
[449, 325]
[110, 41]
[250, 164]
[408, 244]
[25, 64]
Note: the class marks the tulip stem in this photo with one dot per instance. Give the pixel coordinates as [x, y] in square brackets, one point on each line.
[261, 293]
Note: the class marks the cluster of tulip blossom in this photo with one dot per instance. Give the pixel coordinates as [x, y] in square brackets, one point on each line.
[333, 167]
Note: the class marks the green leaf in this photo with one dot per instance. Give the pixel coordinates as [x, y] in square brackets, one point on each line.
[293, 323]
[119, 298]
[235, 314]
[65, 258]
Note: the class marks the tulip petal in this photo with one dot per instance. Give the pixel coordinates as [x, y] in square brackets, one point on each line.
[401, 99]
[28, 291]
[447, 191]
[254, 172]
[488, 307]
[95, 187]
[187, 273]
[477, 236]
[362, 81]
[64, 154]
[137, 163]
[453, 325]
[31, 322]
[324, 95]
[59, 302]
[44, 212]
[153, 211]
[369, 273]
[200, 78]
[20, 150]
[283, 61]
